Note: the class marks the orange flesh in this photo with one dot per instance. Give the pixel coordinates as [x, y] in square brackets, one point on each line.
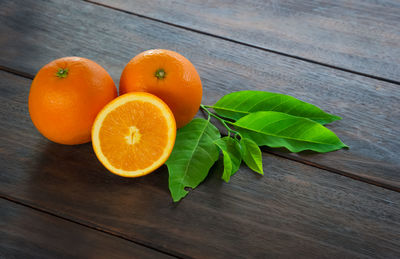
[133, 135]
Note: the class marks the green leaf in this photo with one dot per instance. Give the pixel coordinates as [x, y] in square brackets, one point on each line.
[192, 157]
[239, 104]
[232, 156]
[276, 129]
[251, 155]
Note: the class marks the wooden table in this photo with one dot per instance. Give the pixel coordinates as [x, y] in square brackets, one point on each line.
[344, 56]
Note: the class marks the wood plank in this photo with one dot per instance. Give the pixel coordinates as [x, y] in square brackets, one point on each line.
[369, 107]
[27, 233]
[361, 36]
[293, 211]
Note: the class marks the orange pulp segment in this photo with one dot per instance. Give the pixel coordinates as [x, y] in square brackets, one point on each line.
[134, 134]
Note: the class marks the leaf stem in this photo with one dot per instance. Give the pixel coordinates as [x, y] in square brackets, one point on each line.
[223, 122]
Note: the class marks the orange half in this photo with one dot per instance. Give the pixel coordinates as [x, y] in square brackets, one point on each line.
[134, 134]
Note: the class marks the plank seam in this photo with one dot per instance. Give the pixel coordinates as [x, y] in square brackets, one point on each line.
[16, 72]
[336, 171]
[247, 44]
[93, 227]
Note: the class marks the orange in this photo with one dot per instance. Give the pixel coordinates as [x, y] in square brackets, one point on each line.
[65, 97]
[168, 75]
[134, 134]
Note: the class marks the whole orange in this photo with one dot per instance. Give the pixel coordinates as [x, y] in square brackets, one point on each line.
[169, 76]
[65, 97]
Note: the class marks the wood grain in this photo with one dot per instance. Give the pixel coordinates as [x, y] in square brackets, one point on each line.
[370, 108]
[27, 233]
[362, 36]
[294, 210]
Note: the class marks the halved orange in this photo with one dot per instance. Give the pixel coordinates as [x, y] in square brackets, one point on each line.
[134, 134]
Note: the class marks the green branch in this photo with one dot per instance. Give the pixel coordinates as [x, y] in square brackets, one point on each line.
[223, 122]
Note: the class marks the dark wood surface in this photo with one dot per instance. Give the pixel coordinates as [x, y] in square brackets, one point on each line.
[293, 205]
[27, 233]
[369, 107]
[361, 36]
[326, 206]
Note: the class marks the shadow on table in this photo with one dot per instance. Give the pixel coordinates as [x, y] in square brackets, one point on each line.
[72, 176]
